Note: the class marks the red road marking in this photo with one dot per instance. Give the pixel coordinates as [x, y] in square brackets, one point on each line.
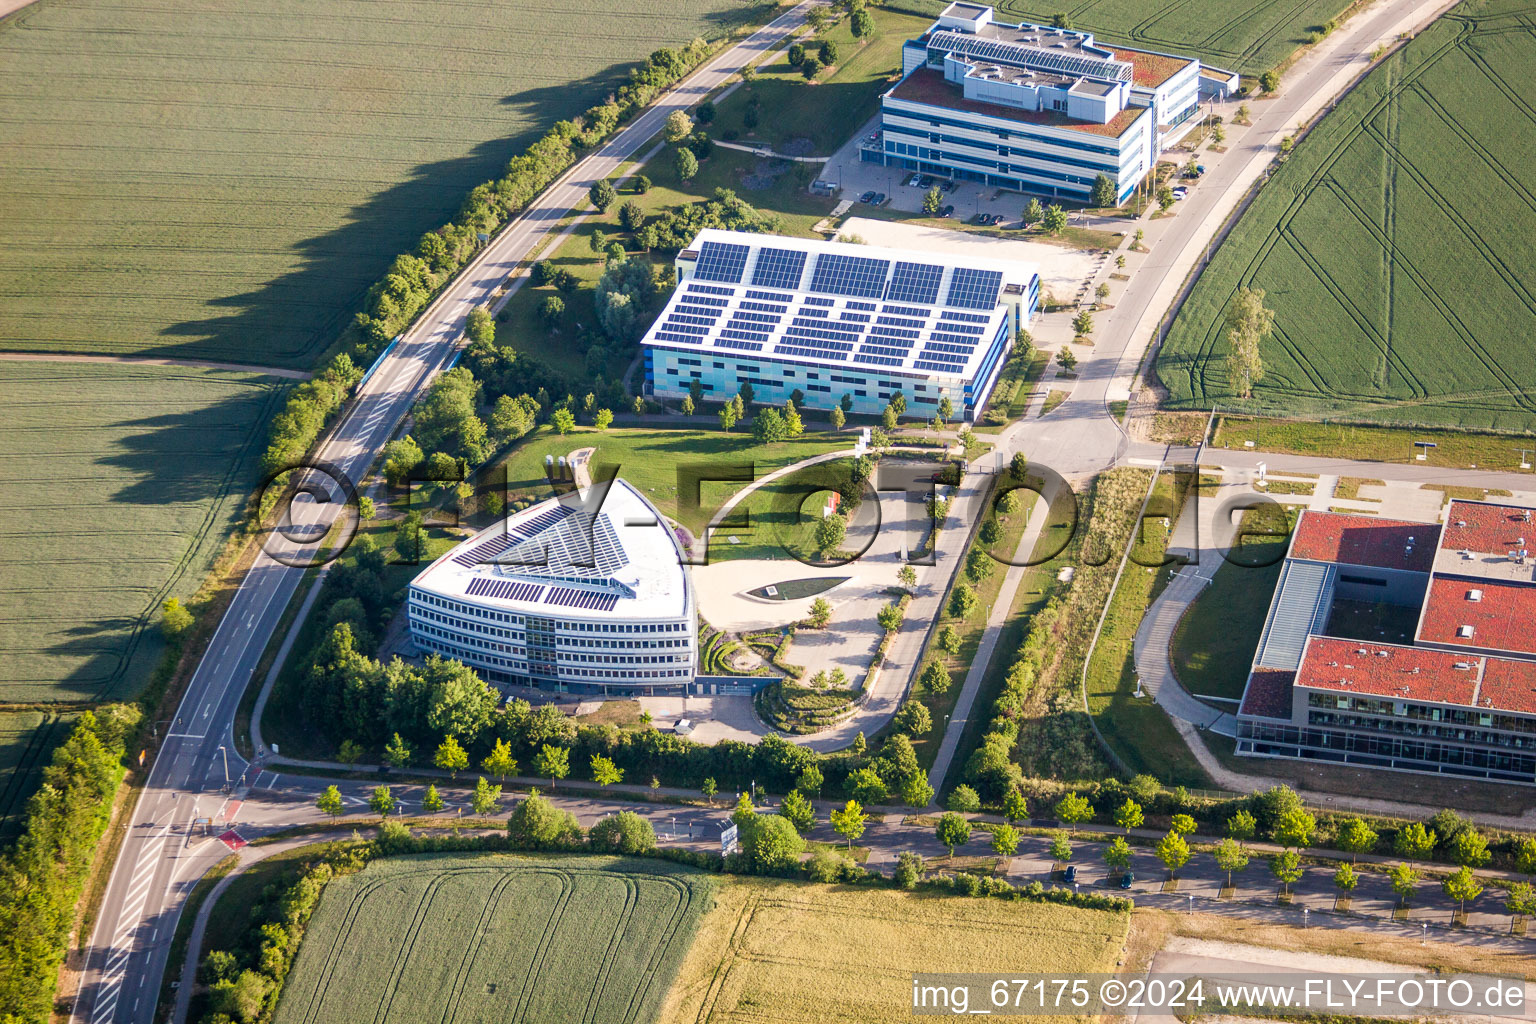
[232, 839]
[231, 809]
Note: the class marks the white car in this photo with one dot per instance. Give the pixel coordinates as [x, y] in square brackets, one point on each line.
[1180, 192]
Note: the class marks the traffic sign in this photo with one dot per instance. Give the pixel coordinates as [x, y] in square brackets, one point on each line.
[728, 843]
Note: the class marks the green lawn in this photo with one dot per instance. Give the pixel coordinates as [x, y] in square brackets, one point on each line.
[118, 487]
[224, 181]
[1393, 246]
[1458, 449]
[27, 739]
[497, 938]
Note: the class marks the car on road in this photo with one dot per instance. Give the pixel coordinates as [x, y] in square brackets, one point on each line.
[948, 211]
[1126, 880]
[1070, 875]
[867, 197]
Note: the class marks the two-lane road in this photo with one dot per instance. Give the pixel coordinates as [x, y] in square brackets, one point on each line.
[161, 858]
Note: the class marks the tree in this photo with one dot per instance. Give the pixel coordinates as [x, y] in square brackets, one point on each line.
[978, 565]
[240, 998]
[631, 215]
[677, 128]
[1082, 323]
[1241, 826]
[685, 164]
[1033, 212]
[849, 821]
[486, 796]
[907, 577]
[830, 533]
[1403, 880]
[936, 678]
[1055, 219]
[1414, 840]
[1286, 867]
[810, 780]
[625, 832]
[1294, 829]
[1165, 198]
[603, 419]
[1345, 881]
[772, 843]
[1008, 502]
[828, 53]
[914, 718]
[1355, 837]
[551, 311]
[174, 618]
[1061, 848]
[1128, 815]
[1248, 323]
[397, 754]
[1524, 855]
[861, 24]
[953, 830]
[602, 195]
[1462, 886]
[1103, 191]
[537, 824]
[564, 421]
[933, 201]
[1173, 851]
[604, 771]
[990, 533]
[1269, 81]
[1469, 849]
[1005, 840]
[500, 762]
[1231, 856]
[1074, 809]
[962, 600]
[866, 786]
[451, 757]
[705, 112]
[889, 618]
[687, 405]
[329, 802]
[838, 417]
[382, 801]
[1015, 806]
[552, 763]
[796, 54]
[1067, 358]
[1061, 20]
[1183, 824]
[915, 790]
[431, 800]
[1241, 114]
[964, 800]
[810, 67]
[946, 408]
[1520, 901]
[1117, 855]
[1218, 134]
[1102, 291]
[799, 811]
[727, 416]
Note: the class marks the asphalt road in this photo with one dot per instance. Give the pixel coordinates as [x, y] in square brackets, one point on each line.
[160, 858]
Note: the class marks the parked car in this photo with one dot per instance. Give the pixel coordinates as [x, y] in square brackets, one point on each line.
[879, 199]
[948, 186]
[1126, 880]
[867, 197]
[1199, 168]
[911, 179]
[1070, 875]
[1180, 192]
[925, 182]
[948, 211]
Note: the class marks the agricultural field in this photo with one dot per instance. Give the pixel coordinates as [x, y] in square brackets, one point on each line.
[496, 938]
[117, 487]
[1245, 37]
[27, 738]
[225, 180]
[1392, 246]
[787, 951]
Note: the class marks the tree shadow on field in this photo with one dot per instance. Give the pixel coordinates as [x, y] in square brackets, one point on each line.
[296, 316]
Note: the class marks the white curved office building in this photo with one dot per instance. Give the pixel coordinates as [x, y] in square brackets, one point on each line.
[566, 596]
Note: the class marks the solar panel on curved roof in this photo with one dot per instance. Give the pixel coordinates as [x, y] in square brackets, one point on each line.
[915, 282]
[836, 274]
[721, 261]
[778, 268]
[974, 289]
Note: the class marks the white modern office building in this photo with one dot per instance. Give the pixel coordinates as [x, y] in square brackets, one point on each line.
[831, 319]
[559, 596]
[1035, 109]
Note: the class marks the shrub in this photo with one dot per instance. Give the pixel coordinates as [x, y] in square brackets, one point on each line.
[909, 870]
[625, 832]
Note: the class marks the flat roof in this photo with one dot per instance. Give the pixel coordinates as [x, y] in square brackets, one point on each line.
[559, 560]
[1508, 686]
[1389, 670]
[839, 305]
[1151, 70]
[1501, 615]
[1365, 540]
[1268, 694]
[1488, 539]
[927, 86]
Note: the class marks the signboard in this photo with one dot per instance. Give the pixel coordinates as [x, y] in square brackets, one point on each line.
[728, 840]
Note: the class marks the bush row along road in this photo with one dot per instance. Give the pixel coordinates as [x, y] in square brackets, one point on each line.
[155, 869]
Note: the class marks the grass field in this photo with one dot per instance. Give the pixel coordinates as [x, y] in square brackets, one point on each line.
[117, 486]
[496, 938]
[27, 738]
[225, 180]
[785, 951]
[1247, 37]
[1392, 246]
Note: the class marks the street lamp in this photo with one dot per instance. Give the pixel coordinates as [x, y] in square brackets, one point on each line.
[226, 765]
[1191, 904]
[1304, 912]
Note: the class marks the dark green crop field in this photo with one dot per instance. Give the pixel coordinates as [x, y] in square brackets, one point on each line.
[1394, 245]
[117, 486]
[496, 938]
[223, 179]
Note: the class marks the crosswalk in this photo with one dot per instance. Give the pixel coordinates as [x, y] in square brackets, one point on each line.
[115, 970]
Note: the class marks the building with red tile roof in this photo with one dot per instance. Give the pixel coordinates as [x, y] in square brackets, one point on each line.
[1459, 700]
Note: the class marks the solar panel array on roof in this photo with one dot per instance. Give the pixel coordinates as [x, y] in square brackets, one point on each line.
[544, 520]
[581, 599]
[1032, 57]
[485, 551]
[721, 261]
[974, 289]
[915, 282]
[505, 590]
[778, 268]
[836, 274]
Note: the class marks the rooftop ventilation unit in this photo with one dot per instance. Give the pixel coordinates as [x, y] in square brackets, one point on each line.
[1474, 595]
[1465, 632]
[1463, 665]
[1461, 522]
[1383, 654]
